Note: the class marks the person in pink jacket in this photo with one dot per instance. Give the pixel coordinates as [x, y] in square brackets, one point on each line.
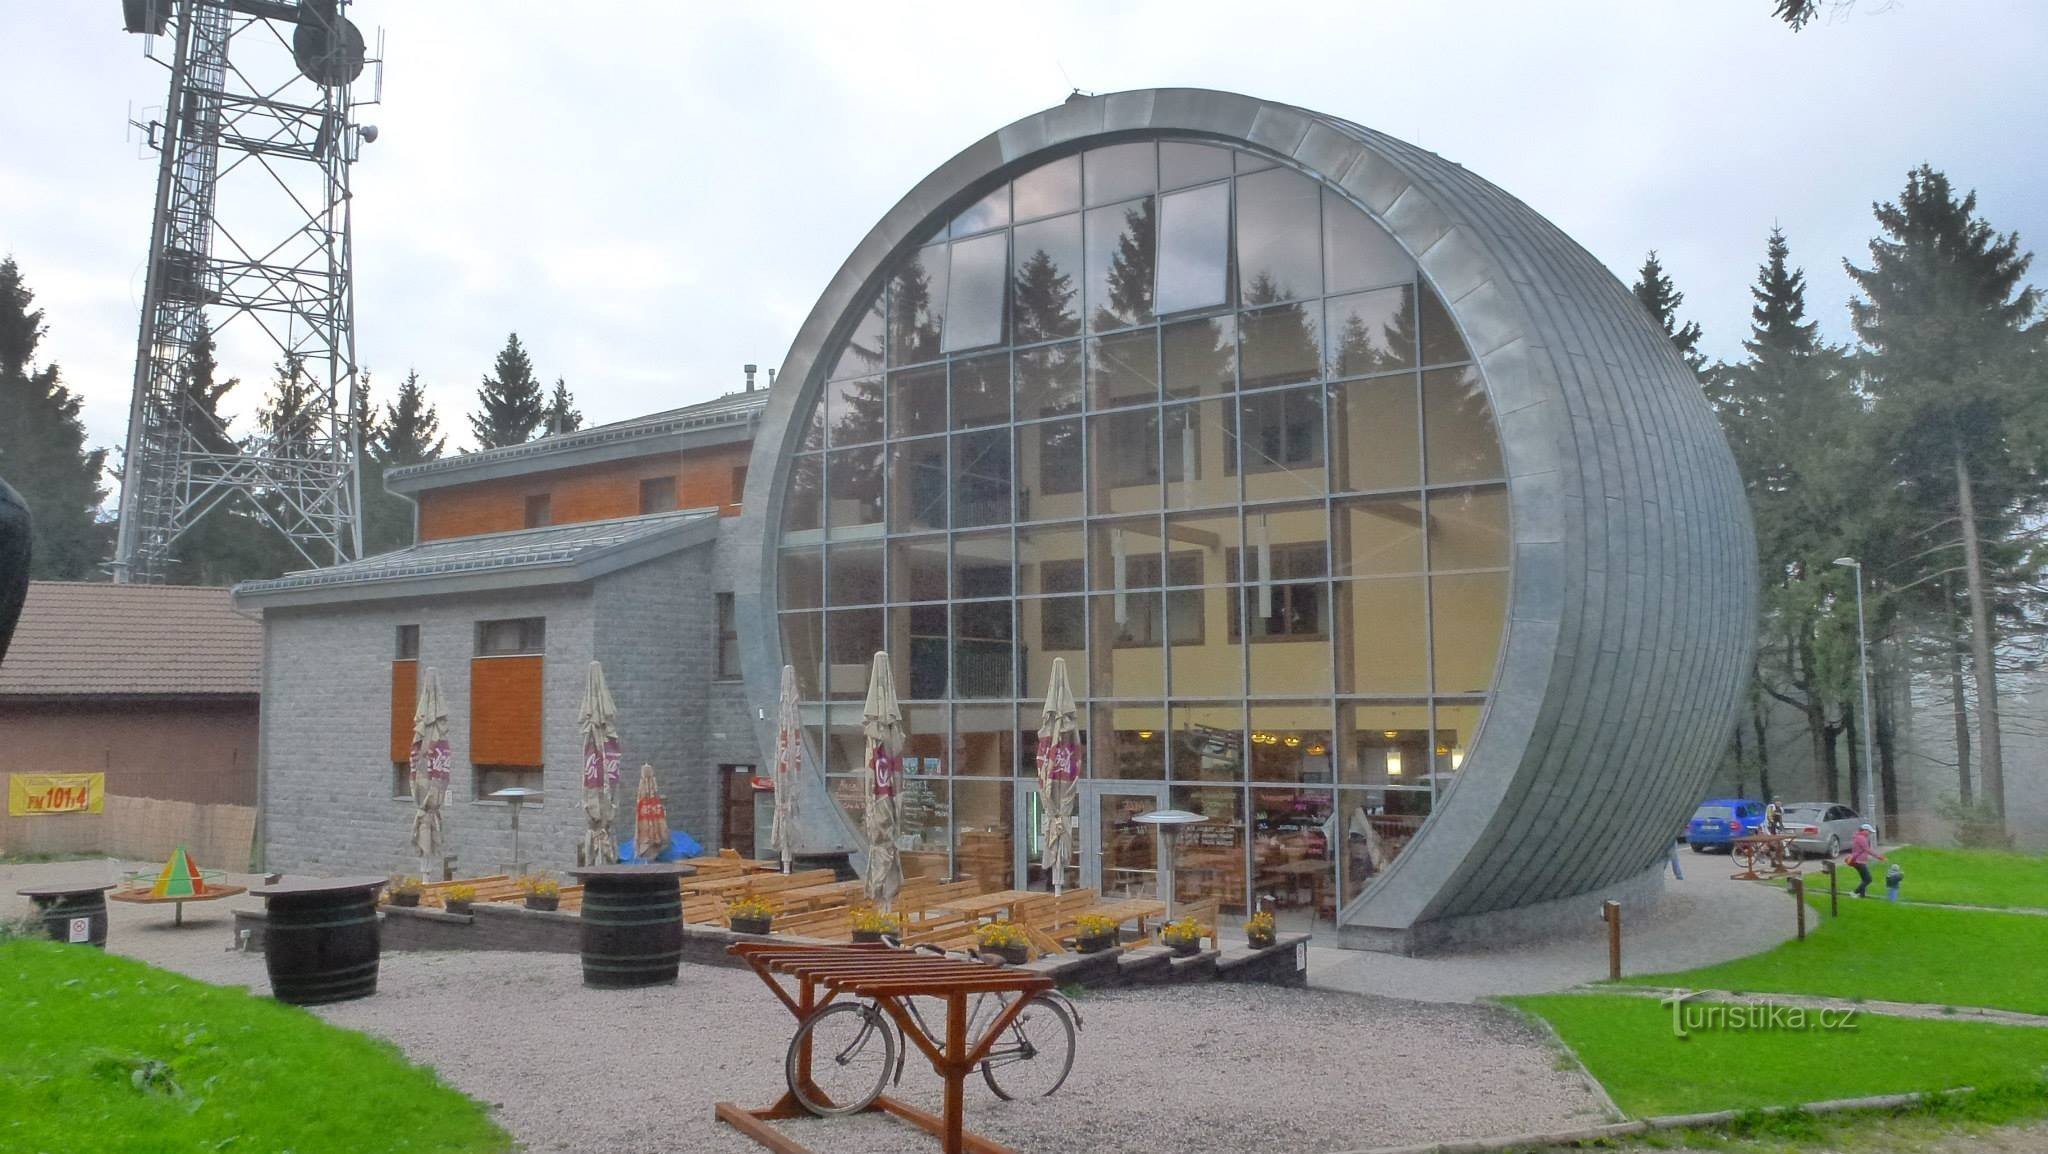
[1861, 855]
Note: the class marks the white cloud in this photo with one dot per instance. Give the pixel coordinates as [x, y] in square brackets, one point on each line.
[652, 193]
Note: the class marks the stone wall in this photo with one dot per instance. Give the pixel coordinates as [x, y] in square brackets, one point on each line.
[328, 797]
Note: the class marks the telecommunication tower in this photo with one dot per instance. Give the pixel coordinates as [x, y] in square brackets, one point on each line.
[251, 229]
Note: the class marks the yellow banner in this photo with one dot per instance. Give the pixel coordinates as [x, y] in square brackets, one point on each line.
[37, 793]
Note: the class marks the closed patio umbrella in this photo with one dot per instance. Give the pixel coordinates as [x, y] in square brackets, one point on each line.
[1059, 764]
[882, 722]
[650, 817]
[789, 763]
[429, 760]
[597, 718]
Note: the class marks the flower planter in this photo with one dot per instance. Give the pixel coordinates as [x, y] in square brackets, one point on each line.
[1095, 945]
[407, 900]
[867, 935]
[460, 907]
[1259, 941]
[1011, 955]
[1185, 949]
[750, 925]
[537, 902]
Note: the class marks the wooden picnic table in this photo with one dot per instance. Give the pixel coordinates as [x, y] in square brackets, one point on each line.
[1771, 851]
[888, 977]
[1128, 909]
[984, 905]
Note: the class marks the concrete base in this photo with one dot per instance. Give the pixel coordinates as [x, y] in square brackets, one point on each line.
[1284, 963]
[1570, 916]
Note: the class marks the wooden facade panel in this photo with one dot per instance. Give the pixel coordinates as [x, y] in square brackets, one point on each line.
[405, 696]
[504, 711]
[704, 477]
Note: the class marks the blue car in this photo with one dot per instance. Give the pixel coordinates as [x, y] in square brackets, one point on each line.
[1719, 821]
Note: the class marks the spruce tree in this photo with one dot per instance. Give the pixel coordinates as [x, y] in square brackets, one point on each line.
[411, 428]
[510, 404]
[1653, 287]
[1953, 369]
[562, 415]
[229, 543]
[42, 445]
[405, 432]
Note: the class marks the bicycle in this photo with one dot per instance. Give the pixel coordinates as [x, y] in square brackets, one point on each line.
[858, 1050]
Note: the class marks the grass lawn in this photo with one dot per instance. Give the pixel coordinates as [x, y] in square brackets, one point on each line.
[1899, 953]
[1971, 877]
[106, 1053]
[1628, 1043]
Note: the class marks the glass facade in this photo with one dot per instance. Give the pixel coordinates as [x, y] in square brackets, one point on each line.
[1193, 422]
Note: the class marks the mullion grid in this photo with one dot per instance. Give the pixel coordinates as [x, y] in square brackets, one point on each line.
[1022, 694]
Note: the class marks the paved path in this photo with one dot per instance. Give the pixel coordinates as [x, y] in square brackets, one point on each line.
[1704, 919]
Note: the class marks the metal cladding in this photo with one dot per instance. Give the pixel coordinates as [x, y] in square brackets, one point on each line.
[1632, 587]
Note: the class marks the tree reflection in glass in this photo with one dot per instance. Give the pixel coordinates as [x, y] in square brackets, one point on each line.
[1122, 256]
[1047, 255]
[916, 308]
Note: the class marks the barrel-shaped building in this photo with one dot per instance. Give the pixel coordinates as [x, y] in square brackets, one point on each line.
[1372, 518]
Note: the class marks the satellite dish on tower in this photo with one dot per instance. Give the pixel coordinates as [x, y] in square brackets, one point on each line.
[327, 47]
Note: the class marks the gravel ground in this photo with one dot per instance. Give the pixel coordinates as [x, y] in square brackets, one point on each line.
[1209, 1067]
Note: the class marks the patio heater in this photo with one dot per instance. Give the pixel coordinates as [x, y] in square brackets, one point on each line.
[517, 795]
[1161, 820]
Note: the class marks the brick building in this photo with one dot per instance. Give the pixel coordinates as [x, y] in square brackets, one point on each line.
[153, 686]
[530, 562]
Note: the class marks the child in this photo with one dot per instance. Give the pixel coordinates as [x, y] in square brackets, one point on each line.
[1893, 878]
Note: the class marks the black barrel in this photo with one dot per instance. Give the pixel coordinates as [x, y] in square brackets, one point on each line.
[65, 907]
[320, 939]
[632, 924]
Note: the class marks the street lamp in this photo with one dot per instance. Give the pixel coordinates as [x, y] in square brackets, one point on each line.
[1863, 672]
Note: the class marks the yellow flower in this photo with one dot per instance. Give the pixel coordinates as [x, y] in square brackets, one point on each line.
[749, 907]
[870, 920]
[1000, 934]
[1094, 926]
[459, 892]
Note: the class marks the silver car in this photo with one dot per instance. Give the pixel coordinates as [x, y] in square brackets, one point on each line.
[1820, 828]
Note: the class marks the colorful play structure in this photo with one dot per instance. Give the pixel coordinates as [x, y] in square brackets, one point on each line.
[180, 881]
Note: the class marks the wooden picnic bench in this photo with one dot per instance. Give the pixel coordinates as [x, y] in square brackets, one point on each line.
[888, 977]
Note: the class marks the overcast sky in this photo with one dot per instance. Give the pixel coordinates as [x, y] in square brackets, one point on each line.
[653, 193]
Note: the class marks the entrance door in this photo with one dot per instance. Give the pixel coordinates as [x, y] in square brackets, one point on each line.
[1030, 841]
[1119, 856]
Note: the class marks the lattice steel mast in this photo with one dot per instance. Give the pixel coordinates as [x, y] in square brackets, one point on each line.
[261, 240]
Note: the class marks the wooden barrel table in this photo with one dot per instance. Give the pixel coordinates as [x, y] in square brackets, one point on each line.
[75, 913]
[632, 924]
[320, 939]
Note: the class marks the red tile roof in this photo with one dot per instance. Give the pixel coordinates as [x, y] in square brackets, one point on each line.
[95, 639]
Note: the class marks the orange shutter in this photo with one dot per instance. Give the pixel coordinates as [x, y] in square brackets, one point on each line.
[504, 711]
[405, 694]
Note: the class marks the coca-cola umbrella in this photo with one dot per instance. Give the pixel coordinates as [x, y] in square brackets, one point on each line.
[597, 718]
[650, 817]
[429, 764]
[882, 722]
[1059, 764]
[789, 763]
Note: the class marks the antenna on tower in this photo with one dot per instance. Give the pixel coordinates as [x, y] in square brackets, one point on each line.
[258, 244]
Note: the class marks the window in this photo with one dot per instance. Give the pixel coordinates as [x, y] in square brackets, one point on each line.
[517, 635]
[1290, 606]
[728, 639]
[505, 704]
[1282, 431]
[538, 512]
[405, 668]
[658, 494]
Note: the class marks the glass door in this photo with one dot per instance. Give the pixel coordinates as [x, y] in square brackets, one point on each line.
[1120, 856]
[1030, 863]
